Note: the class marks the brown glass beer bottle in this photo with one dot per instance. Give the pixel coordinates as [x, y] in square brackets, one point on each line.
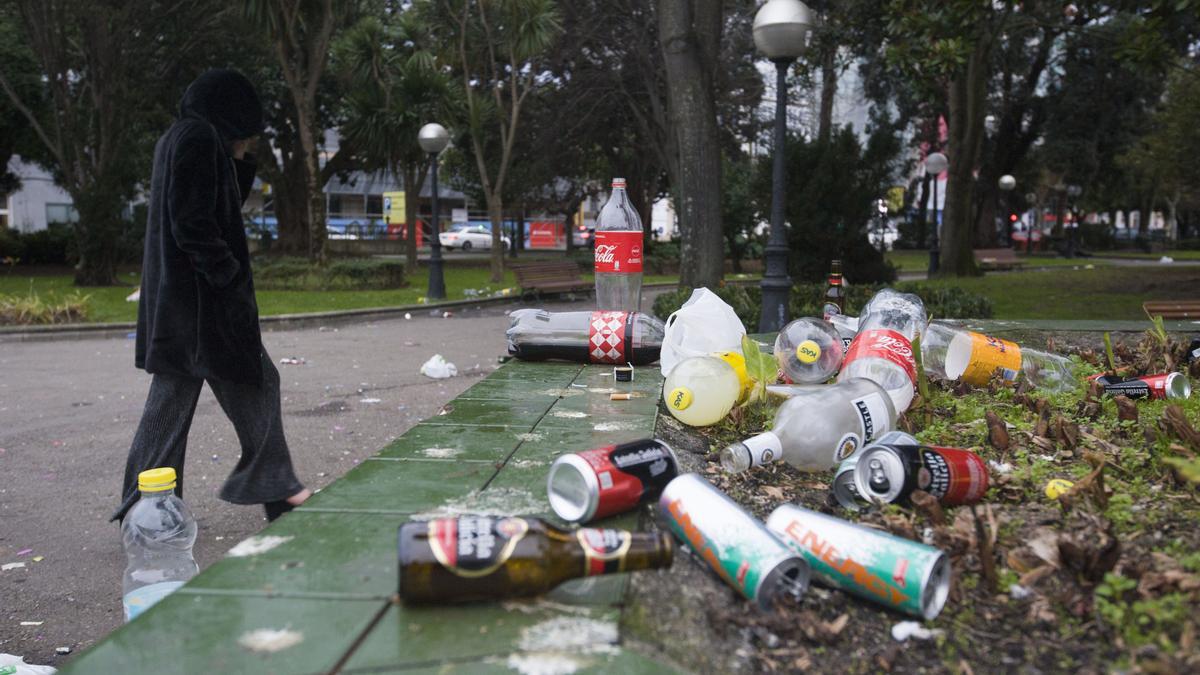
[472, 558]
[835, 292]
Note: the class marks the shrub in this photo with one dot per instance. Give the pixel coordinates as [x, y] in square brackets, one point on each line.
[52, 246]
[941, 302]
[353, 274]
[23, 310]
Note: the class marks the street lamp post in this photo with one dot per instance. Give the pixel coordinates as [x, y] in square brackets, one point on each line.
[433, 138]
[1073, 192]
[1007, 183]
[935, 164]
[780, 29]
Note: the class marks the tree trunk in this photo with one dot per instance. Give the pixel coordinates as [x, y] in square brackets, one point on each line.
[829, 80]
[496, 216]
[922, 224]
[96, 235]
[967, 102]
[686, 28]
[414, 181]
[314, 188]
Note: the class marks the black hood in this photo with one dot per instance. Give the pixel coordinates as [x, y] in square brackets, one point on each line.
[227, 100]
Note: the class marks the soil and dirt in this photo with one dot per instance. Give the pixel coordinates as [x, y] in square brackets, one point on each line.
[1106, 577]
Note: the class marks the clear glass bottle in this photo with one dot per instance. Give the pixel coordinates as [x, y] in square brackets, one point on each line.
[817, 427]
[158, 534]
[618, 253]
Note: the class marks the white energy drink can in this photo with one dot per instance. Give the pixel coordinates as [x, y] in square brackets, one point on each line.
[735, 544]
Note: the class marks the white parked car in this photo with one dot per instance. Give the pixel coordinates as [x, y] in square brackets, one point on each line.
[469, 237]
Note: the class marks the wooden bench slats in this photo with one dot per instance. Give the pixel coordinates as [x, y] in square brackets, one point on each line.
[1173, 309]
[552, 276]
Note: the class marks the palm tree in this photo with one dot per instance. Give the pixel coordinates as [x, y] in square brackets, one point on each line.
[395, 87]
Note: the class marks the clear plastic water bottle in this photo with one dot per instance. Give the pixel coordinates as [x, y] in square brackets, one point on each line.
[882, 348]
[618, 253]
[158, 532]
[817, 427]
[953, 353]
[585, 337]
[808, 351]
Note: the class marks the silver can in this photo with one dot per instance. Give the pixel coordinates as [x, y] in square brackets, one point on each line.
[735, 544]
[904, 575]
[845, 490]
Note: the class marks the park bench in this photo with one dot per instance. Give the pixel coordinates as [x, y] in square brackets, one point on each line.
[997, 258]
[560, 276]
[1173, 309]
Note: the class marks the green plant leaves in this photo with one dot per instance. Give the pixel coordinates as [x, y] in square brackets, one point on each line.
[760, 367]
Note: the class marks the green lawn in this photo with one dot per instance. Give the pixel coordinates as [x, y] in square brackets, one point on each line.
[918, 261]
[1142, 255]
[107, 304]
[1115, 293]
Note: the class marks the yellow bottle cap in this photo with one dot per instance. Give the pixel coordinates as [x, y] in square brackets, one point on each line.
[738, 363]
[680, 398]
[1058, 487]
[157, 480]
[808, 351]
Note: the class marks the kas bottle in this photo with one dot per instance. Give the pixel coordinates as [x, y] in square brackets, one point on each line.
[618, 253]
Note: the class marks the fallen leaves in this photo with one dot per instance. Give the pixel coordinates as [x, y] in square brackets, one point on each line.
[997, 431]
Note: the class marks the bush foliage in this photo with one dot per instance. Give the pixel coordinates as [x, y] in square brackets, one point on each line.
[296, 274]
[941, 302]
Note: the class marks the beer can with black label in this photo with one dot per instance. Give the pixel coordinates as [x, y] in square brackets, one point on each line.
[904, 575]
[890, 473]
[1164, 385]
[587, 486]
[735, 544]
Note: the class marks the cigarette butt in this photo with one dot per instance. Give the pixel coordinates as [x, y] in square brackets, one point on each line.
[619, 397]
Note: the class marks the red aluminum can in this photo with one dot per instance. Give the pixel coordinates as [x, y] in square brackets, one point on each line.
[1163, 385]
[587, 486]
[892, 472]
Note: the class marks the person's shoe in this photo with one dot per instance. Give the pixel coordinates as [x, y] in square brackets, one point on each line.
[277, 508]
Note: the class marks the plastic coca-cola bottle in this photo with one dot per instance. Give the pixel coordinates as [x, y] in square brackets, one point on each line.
[585, 337]
[618, 253]
[882, 350]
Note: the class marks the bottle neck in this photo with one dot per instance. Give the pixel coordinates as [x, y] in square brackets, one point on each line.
[157, 494]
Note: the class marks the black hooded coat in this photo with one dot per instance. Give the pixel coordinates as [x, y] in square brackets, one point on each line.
[197, 315]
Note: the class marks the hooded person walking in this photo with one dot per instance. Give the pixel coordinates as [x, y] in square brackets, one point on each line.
[197, 316]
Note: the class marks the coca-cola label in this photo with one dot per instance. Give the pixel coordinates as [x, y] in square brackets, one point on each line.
[475, 546]
[606, 337]
[618, 251]
[603, 550]
[884, 344]
[952, 475]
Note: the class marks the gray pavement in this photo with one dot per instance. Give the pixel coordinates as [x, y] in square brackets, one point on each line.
[68, 410]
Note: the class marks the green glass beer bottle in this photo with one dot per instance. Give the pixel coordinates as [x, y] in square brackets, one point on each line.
[471, 558]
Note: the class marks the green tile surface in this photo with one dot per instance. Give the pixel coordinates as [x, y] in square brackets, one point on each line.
[335, 570]
[352, 555]
[435, 442]
[187, 633]
[423, 636]
[401, 487]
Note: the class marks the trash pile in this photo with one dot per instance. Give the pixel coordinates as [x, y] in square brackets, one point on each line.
[925, 484]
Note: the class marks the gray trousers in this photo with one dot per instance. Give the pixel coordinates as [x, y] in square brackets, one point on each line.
[264, 472]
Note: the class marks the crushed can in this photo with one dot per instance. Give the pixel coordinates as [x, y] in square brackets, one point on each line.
[594, 484]
[732, 542]
[1161, 386]
[890, 473]
[894, 572]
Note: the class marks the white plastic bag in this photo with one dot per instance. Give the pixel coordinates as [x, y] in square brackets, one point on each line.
[705, 324]
[438, 368]
[23, 668]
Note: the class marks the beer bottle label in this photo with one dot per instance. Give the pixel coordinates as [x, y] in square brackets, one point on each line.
[475, 546]
[618, 251]
[603, 550]
[608, 337]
